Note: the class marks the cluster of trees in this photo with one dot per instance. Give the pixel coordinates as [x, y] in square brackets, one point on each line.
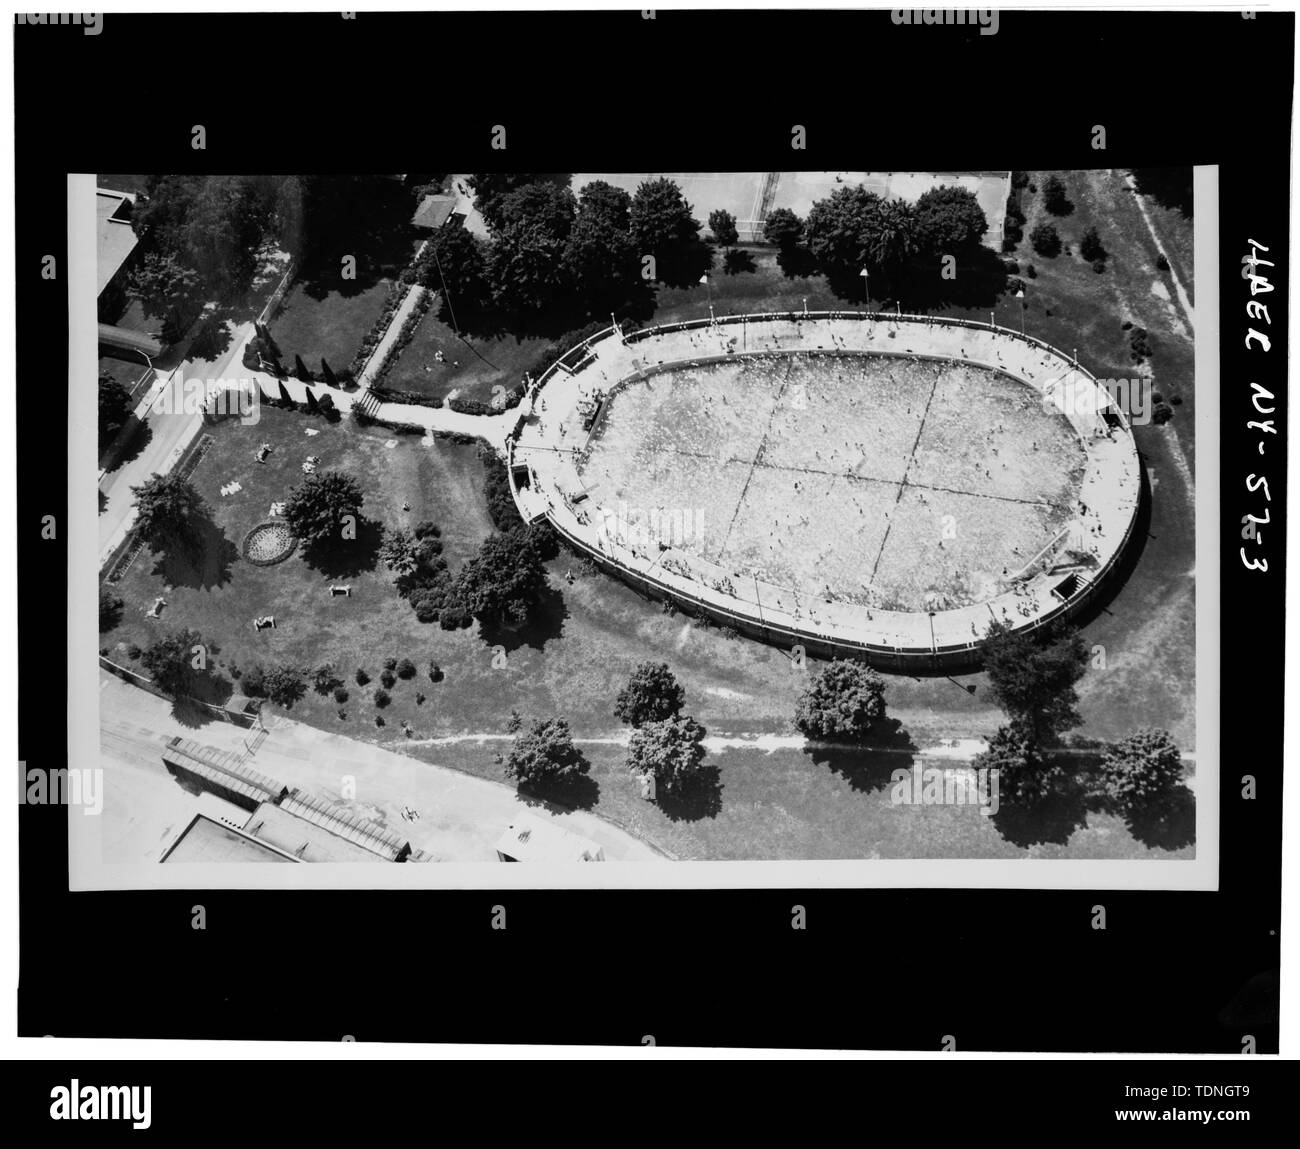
[894, 241]
[666, 748]
[1033, 678]
[553, 251]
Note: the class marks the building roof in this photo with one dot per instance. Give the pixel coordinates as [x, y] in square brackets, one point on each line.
[207, 840]
[434, 211]
[116, 239]
[533, 839]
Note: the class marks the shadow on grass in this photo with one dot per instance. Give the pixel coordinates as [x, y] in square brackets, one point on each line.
[702, 798]
[546, 623]
[737, 261]
[206, 565]
[214, 689]
[868, 767]
[1053, 818]
[346, 558]
[579, 793]
[1166, 825]
[796, 263]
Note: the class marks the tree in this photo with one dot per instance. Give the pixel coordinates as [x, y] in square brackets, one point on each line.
[284, 685]
[168, 510]
[600, 257]
[1090, 247]
[836, 230]
[1055, 199]
[1170, 187]
[398, 551]
[1045, 241]
[949, 220]
[669, 751]
[783, 228]
[320, 507]
[163, 284]
[652, 694]
[890, 239]
[1142, 770]
[1022, 773]
[1032, 675]
[114, 408]
[663, 226]
[171, 661]
[110, 609]
[504, 581]
[491, 188]
[455, 263]
[545, 754]
[527, 268]
[841, 702]
[723, 225]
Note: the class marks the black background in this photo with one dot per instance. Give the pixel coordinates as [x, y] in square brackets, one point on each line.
[1022, 971]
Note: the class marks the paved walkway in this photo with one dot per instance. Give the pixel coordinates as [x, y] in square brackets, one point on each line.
[461, 817]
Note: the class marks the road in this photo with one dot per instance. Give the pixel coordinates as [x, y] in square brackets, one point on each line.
[172, 433]
[460, 817]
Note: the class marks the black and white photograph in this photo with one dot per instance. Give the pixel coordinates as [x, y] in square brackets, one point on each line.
[652, 517]
[648, 533]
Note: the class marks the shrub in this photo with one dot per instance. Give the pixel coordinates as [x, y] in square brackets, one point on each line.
[545, 753]
[1045, 241]
[379, 720]
[1019, 179]
[1090, 246]
[1142, 770]
[362, 677]
[1054, 198]
[406, 669]
[388, 678]
[382, 698]
[419, 698]
[390, 664]
[110, 609]
[841, 702]
[1098, 265]
[133, 652]
[455, 616]
[340, 694]
[427, 529]
[435, 672]
[285, 685]
[325, 679]
[1031, 272]
[253, 682]
[652, 694]
[1162, 413]
[1162, 263]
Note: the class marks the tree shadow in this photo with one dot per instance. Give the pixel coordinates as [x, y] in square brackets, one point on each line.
[578, 793]
[212, 341]
[208, 687]
[545, 623]
[346, 558]
[205, 563]
[700, 798]
[737, 261]
[980, 281]
[684, 267]
[103, 502]
[136, 436]
[1169, 824]
[1052, 818]
[797, 263]
[869, 766]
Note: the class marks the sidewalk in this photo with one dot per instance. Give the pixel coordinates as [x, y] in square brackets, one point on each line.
[461, 817]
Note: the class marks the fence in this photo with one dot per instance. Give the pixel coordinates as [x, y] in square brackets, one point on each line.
[272, 308]
[249, 719]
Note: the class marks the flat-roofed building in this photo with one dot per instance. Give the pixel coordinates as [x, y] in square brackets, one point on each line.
[532, 839]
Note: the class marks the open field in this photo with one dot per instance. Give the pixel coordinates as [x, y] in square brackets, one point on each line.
[897, 483]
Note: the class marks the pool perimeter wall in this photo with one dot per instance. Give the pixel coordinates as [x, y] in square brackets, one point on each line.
[546, 483]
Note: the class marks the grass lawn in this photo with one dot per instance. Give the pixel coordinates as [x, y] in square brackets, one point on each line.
[471, 368]
[327, 324]
[441, 481]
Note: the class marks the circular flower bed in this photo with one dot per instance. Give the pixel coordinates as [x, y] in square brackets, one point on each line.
[269, 543]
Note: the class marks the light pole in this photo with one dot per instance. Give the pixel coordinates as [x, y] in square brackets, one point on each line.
[704, 279]
[865, 276]
[1020, 295]
[805, 307]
